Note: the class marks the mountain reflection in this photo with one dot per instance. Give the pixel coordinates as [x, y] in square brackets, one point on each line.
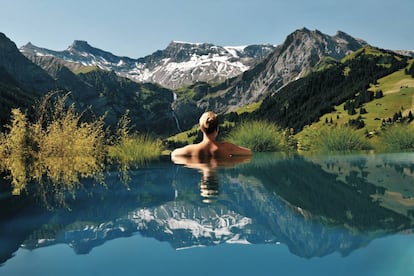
[316, 205]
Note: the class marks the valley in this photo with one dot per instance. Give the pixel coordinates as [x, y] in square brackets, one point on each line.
[302, 82]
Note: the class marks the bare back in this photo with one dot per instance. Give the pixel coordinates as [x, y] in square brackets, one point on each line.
[211, 149]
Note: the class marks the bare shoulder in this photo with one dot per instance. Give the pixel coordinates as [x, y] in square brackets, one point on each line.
[184, 151]
[232, 149]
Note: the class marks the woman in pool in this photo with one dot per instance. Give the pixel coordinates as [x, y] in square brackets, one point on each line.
[209, 147]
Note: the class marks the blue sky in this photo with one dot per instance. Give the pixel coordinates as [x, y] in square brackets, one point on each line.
[138, 28]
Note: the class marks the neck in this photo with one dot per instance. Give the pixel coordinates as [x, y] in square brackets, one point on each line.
[209, 138]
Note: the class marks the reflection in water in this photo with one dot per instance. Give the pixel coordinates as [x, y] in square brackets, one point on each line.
[209, 187]
[314, 205]
[52, 177]
[209, 184]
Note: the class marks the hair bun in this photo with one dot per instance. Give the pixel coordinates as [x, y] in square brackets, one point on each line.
[208, 120]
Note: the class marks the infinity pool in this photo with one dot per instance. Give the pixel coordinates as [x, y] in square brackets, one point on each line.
[272, 214]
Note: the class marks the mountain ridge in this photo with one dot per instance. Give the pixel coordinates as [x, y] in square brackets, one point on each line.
[301, 51]
[256, 72]
[180, 63]
[24, 83]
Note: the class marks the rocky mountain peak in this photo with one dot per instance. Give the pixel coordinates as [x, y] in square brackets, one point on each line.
[80, 45]
[183, 51]
[352, 43]
[293, 59]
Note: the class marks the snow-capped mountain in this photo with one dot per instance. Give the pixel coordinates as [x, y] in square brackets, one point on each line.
[293, 59]
[181, 63]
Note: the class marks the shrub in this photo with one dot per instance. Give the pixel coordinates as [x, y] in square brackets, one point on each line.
[398, 137]
[259, 136]
[14, 150]
[136, 149]
[2, 150]
[342, 138]
[58, 144]
[17, 140]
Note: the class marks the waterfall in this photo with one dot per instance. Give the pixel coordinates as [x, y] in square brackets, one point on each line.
[176, 120]
[173, 113]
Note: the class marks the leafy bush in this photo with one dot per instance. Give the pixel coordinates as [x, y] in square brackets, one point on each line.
[67, 136]
[14, 150]
[58, 144]
[2, 150]
[259, 136]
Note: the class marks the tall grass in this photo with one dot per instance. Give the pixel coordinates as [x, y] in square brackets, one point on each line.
[259, 136]
[398, 137]
[136, 149]
[342, 139]
[133, 148]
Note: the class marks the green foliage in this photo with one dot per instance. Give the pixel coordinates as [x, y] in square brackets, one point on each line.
[304, 101]
[248, 108]
[185, 93]
[58, 144]
[136, 149]
[15, 149]
[332, 139]
[325, 63]
[16, 141]
[66, 135]
[2, 149]
[259, 136]
[398, 137]
[329, 139]
[148, 104]
[85, 69]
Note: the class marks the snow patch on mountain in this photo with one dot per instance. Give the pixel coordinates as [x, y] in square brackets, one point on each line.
[181, 63]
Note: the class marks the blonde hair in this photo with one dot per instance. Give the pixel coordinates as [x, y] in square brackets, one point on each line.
[208, 122]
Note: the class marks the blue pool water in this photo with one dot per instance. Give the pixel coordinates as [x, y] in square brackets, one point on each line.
[271, 215]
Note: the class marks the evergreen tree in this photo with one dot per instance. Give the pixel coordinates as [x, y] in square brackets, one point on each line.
[379, 94]
[362, 110]
[351, 111]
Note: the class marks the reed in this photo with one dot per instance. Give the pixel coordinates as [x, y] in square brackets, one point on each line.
[398, 137]
[136, 149]
[341, 139]
[259, 136]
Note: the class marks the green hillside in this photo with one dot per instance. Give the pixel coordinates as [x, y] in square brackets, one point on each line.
[303, 102]
[398, 96]
[364, 90]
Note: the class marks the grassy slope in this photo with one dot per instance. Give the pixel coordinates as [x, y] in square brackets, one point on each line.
[398, 90]
[395, 99]
[248, 108]
[84, 69]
